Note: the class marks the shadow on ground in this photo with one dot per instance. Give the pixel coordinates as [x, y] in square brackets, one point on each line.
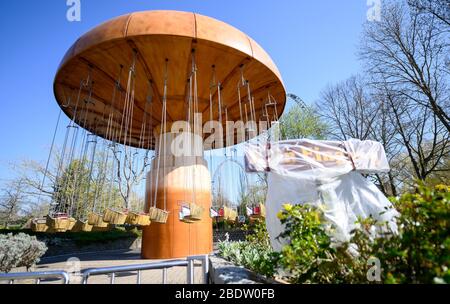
[123, 255]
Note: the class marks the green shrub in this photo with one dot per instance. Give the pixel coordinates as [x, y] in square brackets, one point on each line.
[9, 253]
[311, 257]
[419, 253]
[33, 250]
[255, 253]
[20, 250]
[309, 245]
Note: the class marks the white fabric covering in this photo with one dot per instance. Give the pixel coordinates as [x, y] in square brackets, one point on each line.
[325, 174]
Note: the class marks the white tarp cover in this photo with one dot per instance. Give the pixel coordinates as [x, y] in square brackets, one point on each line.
[326, 174]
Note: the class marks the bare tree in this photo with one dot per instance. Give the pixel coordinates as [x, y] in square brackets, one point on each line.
[348, 109]
[34, 209]
[411, 56]
[403, 101]
[423, 137]
[31, 174]
[439, 9]
[353, 110]
[415, 141]
[12, 201]
[385, 132]
[131, 166]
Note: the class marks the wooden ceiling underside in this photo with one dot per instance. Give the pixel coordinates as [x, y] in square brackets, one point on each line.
[104, 61]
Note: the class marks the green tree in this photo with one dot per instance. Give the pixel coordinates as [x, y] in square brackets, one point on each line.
[302, 121]
[79, 191]
[71, 187]
[71, 190]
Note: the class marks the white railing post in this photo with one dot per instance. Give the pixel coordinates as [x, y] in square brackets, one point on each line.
[190, 270]
[205, 268]
[165, 276]
[36, 276]
[138, 281]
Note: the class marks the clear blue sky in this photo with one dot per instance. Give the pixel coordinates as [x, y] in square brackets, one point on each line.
[314, 43]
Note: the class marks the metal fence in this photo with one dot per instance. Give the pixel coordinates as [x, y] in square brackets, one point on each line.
[189, 263]
[36, 276]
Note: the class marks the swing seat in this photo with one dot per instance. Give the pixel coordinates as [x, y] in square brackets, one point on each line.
[58, 224]
[158, 216]
[138, 219]
[220, 215]
[72, 223]
[114, 217]
[196, 213]
[96, 220]
[230, 215]
[93, 218]
[102, 228]
[232, 218]
[187, 221]
[184, 218]
[213, 213]
[101, 224]
[259, 211]
[39, 225]
[81, 226]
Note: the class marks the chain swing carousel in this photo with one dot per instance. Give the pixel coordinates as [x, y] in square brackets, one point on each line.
[126, 85]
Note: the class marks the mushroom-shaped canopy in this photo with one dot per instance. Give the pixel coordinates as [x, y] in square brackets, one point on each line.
[152, 37]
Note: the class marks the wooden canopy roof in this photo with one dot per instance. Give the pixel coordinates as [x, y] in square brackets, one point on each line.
[156, 36]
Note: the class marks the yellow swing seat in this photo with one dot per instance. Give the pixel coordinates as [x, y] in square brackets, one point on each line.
[259, 212]
[138, 219]
[72, 223]
[96, 220]
[114, 217]
[229, 214]
[39, 225]
[196, 213]
[57, 224]
[158, 216]
[81, 226]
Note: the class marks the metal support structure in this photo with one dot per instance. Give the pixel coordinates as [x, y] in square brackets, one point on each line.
[297, 100]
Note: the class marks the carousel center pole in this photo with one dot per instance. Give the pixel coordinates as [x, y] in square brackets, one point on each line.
[178, 181]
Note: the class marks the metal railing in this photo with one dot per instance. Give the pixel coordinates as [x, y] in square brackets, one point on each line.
[191, 267]
[189, 263]
[37, 276]
[112, 271]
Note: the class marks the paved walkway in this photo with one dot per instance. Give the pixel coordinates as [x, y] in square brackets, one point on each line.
[74, 263]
